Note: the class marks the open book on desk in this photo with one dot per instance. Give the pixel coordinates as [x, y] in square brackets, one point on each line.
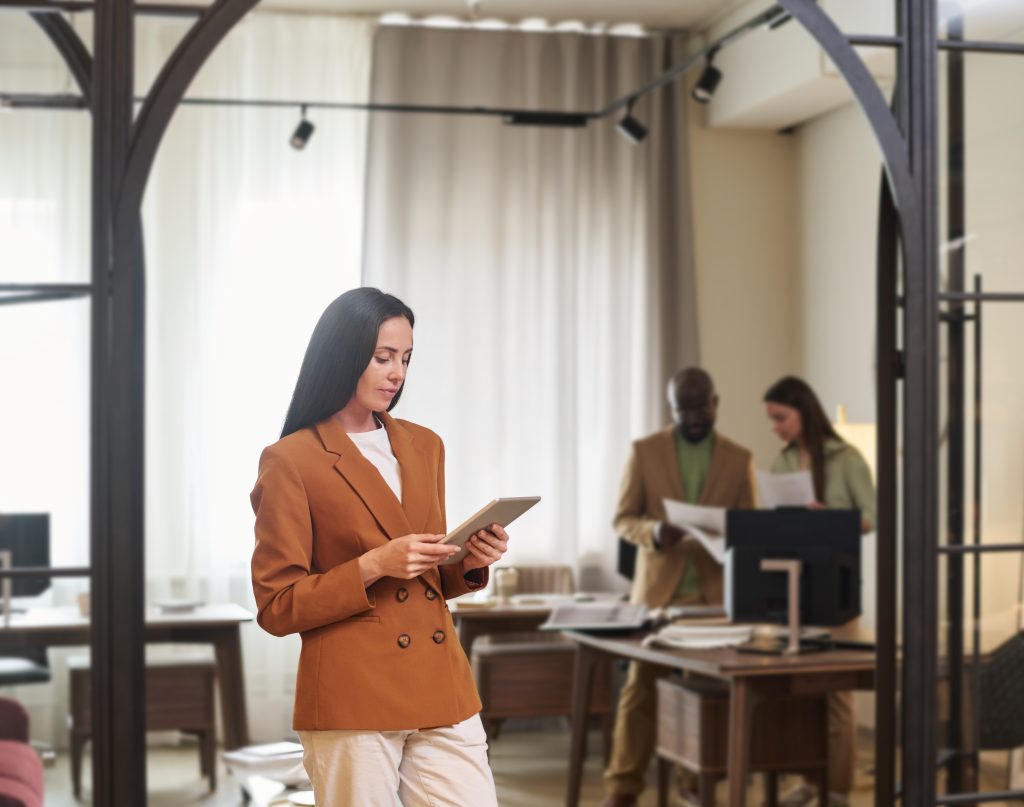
[597, 616]
[706, 524]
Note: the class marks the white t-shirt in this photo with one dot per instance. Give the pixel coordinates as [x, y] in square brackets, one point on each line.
[376, 447]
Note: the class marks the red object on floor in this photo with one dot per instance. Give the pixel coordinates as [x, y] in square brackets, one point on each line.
[21, 771]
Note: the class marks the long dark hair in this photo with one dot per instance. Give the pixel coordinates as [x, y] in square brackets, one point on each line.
[815, 426]
[339, 351]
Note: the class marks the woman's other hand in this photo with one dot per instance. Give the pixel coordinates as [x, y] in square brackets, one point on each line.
[404, 558]
[485, 547]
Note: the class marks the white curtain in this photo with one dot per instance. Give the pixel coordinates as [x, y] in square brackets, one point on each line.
[550, 270]
[247, 240]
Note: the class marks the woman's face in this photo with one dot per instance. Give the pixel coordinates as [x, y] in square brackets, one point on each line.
[384, 375]
[785, 421]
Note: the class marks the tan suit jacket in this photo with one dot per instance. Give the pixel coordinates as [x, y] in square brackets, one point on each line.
[652, 474]
[382, 658]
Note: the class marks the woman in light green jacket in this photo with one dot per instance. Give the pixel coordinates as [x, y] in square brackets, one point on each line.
[841, 476]
[841, 480]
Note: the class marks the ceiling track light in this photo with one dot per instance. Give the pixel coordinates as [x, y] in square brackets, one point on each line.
[304, 131]
[629, 127]
[708, 81]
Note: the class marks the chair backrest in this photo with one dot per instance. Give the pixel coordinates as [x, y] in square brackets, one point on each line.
[1002, 696]
[545, 580]
[13, 720]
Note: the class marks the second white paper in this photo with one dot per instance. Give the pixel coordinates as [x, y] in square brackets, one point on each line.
[785, 490]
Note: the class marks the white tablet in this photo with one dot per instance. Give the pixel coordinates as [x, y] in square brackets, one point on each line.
[499, 511]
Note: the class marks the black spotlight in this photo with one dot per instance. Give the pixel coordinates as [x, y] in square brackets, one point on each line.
[302, 132]
[708, 81]
[630, 127]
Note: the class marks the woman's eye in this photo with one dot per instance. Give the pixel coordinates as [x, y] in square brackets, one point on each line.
[406, 362]
[382, 359]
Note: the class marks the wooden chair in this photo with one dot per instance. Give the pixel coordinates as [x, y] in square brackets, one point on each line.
[790, 735]
[529, 674]
[179, 697]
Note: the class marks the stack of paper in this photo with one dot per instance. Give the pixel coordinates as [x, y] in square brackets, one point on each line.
[700, 636]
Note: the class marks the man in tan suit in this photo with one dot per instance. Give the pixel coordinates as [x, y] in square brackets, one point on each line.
[688, 462]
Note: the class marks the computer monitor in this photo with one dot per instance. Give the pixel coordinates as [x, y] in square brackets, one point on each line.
[827, 542]
[27, 537]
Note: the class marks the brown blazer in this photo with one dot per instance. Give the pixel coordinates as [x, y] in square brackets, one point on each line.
[381, 658]
[652, 474]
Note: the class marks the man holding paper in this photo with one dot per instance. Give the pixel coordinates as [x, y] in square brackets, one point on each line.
[688, 462]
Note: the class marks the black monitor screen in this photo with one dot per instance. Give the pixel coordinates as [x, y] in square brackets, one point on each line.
[27, 537]
[826, 542]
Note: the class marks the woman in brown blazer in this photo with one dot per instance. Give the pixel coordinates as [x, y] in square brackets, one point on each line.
[349, 510]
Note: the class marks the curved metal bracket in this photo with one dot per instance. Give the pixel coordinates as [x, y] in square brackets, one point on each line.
[167, 91]
[71, 48]
[895, 155]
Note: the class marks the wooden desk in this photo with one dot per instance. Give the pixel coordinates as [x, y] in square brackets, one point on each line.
[217, 625]
[750, 678]
[524, 612]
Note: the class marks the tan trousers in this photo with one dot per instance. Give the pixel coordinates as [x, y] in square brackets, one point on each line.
[442, 767]
[636, 728]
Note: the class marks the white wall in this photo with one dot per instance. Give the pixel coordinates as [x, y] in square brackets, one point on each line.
[744, 203]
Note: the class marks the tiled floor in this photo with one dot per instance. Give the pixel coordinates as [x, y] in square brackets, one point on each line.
[529, 769]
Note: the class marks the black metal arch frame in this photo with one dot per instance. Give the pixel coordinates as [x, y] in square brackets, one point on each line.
[907, 309]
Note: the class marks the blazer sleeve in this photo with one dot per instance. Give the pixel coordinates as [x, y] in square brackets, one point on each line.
[859, 485]
[631, 521]
[290, 597]
[453, 582]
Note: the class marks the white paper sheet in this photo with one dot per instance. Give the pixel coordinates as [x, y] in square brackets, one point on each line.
[706, 524]
[785, 490]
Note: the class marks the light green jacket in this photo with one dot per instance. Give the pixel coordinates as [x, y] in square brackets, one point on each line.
[847, 476]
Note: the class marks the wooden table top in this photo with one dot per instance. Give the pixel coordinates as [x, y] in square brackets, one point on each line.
[36, 620]
[727, 662]
[521, 605]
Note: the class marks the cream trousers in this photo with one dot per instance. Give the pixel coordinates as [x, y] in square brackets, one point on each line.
[442, 767]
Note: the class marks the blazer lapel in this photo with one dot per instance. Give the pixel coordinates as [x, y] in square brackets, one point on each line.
[365, 479]
[415, 484]
[415, 472]
[670, 462]
[717, 471]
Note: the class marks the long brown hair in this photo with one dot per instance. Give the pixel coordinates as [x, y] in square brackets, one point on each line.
[815, 426]
[341, 346]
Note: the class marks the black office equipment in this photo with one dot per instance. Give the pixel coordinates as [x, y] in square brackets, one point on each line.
[27, 537]
[826, 542]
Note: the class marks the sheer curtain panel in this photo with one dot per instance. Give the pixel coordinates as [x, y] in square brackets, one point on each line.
[551, 270]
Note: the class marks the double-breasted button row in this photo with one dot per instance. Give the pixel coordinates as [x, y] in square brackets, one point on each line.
[404, 639]
[402, 594]
[431, 594]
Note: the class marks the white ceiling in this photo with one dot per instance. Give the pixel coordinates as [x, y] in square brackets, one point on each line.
[651, 13]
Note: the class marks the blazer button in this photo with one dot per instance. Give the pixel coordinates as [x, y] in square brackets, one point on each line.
[404, 640]
[431, 594]
[438, 636]
[402, 594]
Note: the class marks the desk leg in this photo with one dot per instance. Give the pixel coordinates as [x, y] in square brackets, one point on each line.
[231, 688]
[741, 711]
[582, 686]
